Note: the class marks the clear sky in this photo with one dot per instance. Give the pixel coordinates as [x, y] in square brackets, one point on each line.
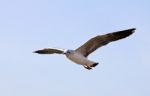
[28, 25]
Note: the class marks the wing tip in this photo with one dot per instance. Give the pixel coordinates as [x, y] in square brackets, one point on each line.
[49, 51]
[127, 31]
[132, 30]
[42, 51]
[122, 34]
[39, 52]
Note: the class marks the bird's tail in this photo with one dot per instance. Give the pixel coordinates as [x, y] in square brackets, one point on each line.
[94, 64]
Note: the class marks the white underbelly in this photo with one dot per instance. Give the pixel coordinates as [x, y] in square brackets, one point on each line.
[79, 59]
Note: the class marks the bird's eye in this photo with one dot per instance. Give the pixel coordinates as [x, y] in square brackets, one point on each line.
[69, 51]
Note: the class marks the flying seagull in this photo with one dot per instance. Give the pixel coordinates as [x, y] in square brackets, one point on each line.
[80, 54]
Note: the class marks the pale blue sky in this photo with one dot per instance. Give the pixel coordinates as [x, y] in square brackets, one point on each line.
[28, 25]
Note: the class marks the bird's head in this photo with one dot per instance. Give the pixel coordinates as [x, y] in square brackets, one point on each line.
[68, 51]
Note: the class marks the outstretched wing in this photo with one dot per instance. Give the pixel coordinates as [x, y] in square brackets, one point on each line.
[102, 40]
[49, 51]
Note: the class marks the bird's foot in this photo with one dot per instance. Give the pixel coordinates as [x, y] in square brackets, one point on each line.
[87, 67]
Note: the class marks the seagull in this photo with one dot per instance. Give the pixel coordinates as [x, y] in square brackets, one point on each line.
[79, 55]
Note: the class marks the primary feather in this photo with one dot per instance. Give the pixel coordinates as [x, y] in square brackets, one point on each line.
[101, 40]
[49, 51]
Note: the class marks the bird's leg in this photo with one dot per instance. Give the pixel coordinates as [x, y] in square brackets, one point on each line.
[87, 67]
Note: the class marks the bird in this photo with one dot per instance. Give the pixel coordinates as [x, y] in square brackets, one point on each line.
[79, 55]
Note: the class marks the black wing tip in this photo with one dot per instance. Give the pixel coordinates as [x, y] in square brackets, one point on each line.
[127, 32]
[131, 30]
[35, 51]
[122, 34]
[39, 52]
[47, 51]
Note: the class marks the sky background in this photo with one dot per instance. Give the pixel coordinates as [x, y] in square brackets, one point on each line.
[28, 25]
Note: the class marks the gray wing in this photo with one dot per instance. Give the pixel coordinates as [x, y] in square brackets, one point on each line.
[49, 51]
[102, 40]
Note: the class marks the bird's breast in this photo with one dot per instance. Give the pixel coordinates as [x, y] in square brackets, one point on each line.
[78, 58]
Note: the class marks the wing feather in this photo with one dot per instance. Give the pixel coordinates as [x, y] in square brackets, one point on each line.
[101, 40]
[49, 51]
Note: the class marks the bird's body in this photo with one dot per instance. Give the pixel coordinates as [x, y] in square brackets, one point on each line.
[79, 59]
[79, 55]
